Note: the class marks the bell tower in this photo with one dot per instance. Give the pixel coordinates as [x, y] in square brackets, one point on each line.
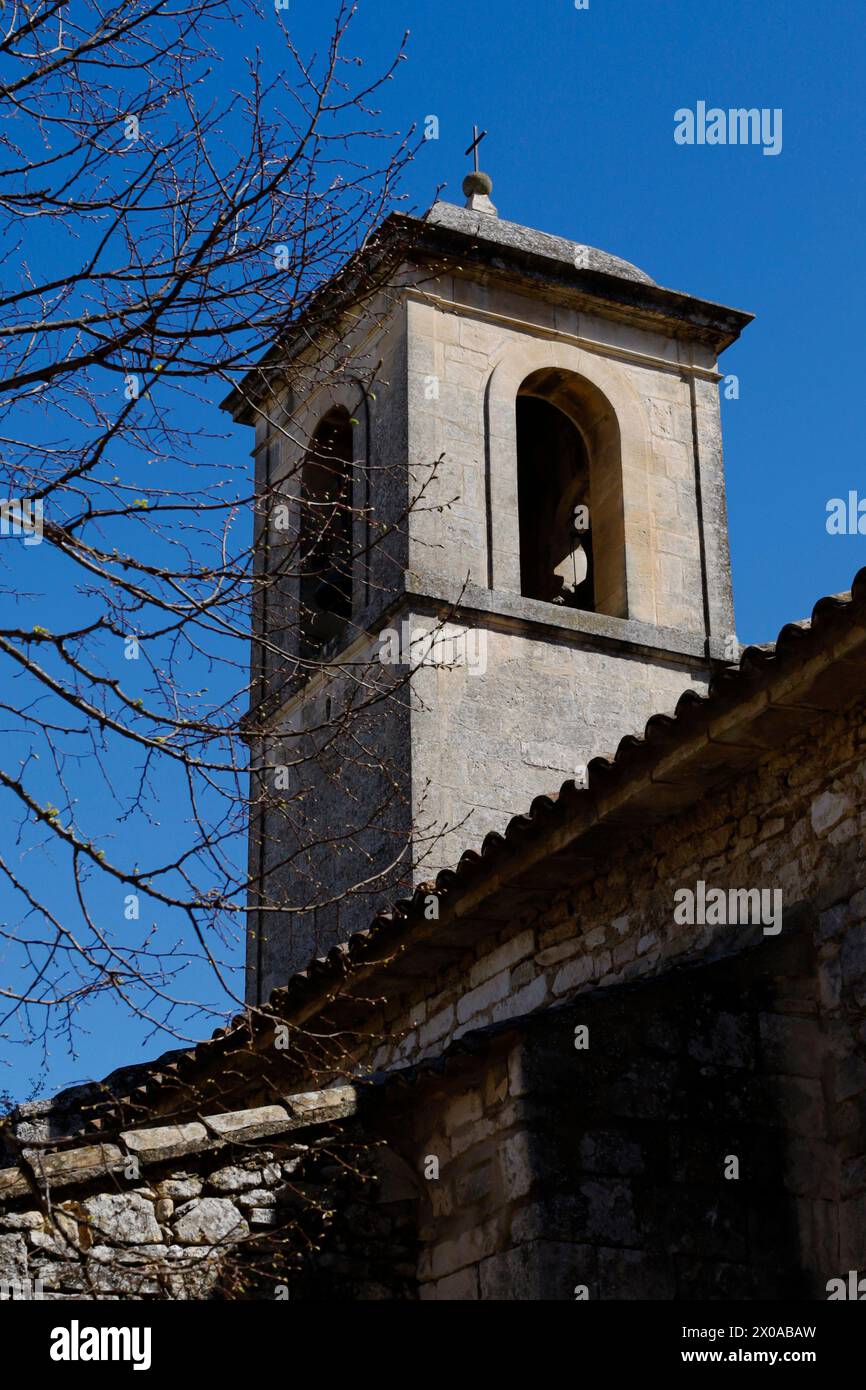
[512, 492]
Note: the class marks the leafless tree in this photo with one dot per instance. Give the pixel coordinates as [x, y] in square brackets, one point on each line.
[171, 202]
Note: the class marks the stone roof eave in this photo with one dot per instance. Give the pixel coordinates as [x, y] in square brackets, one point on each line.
[541, 262]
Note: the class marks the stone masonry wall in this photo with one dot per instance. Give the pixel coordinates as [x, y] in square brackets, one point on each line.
[275, 1202]
[795, 821]
[603, 1171]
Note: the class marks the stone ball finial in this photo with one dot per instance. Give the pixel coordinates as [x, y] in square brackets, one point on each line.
[477, 183]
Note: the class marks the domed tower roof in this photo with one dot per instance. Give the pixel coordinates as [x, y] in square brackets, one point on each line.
[487, 227]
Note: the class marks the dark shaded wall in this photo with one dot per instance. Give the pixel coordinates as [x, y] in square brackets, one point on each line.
[603, 1168]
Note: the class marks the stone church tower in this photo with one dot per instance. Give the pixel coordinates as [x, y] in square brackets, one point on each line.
[526, 435]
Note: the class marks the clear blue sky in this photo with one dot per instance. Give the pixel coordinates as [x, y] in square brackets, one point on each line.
[580, 108]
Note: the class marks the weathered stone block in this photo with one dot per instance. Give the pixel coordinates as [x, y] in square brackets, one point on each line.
[321, 1106]
[243, 1126]
[512, 951]
[467, 1248]
[124, 1218]
[53, 1243]
[168, 1141]
[13, 1184]
[180, 1188]
[22, 1221]
[460, 1287]
[260, 1197]
[522, 1001]
[262, 1216]
[463, 1110]
[234, 1179]
[515, 1161]
[483, 997]
[69, 1166]
[209, 1221]
[827, 809]
[13, 1258]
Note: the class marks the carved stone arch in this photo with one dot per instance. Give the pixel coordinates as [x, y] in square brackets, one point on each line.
[596, 395]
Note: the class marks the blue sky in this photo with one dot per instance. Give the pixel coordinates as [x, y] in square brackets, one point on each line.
[580, 108]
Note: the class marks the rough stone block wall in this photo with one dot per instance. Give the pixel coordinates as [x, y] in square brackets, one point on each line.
[257, 1204]
[795, 821]
[681, 1078]
[471, 1123]
[603, 1171]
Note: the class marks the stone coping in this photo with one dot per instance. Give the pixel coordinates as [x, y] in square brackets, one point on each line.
[52, 1165]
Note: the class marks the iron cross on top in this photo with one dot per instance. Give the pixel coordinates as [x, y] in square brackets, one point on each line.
[476, 141]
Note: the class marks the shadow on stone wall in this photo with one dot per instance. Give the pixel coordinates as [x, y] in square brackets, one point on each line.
[679, 1080]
